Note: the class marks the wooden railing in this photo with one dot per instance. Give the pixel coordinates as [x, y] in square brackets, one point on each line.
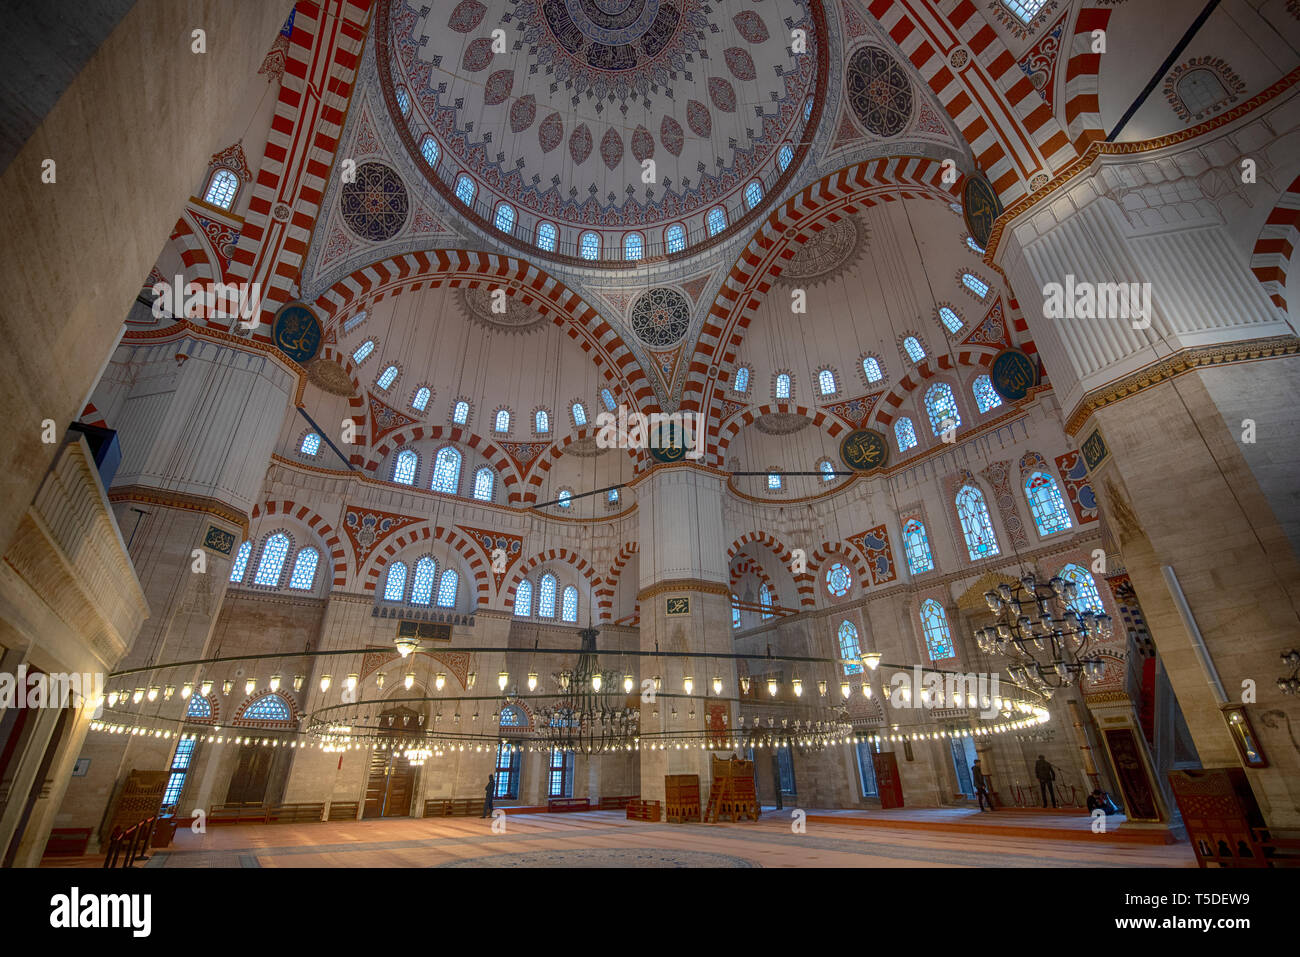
[129, 845]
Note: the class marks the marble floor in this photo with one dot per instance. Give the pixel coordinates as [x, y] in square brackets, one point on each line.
[608, 839]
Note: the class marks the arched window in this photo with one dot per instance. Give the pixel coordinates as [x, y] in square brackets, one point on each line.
[912, 346]
[512, 718]
[633, 246]
[502, 421]
[784, 156]
[826, 382]
[465, 188]
[917, 547]
[395, 583]
[222, 188]
[753, 194]
[589, 245]
[716, 220]
[426, 570]
[447, 589]
[839, 579]
[546, 236]
[849, 647]
[310, 444]
[975, 247]
[269, 707]
[200, 707]
[807, 109]
[541, 422]
[951, 321]
[975, 523]
[934, 625]
[505, 218]
[274, 551]
[446, 471]
[607, 397]
[363, 350]
[735, 612]
[483, 481]
[675, 238]
[569, 604]
[1086, 596]
[975, 284]
[871, 369]
[579, 414]
[986, 397]
[827, 468]
[1025, 10]
[765, 600]
[774, 481]
[941, 404]
[404, 467]
[304, 569]
[386, 377]
[1200, 90]
[612, 496]
[460, 413]
[524, 599]
[742, 379]
[421, 400]
[429, 149]
[904, 434]
[564, 499]
[240, 566]
[782, 386]
[403, 100]
[546, 596]
[1046, 503]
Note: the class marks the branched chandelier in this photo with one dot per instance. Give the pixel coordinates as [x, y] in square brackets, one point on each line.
[1051, 644]
[592, 716]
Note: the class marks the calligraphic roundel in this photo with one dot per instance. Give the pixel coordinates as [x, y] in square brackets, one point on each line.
[864, 450]
[1013, 374]
[296, 332]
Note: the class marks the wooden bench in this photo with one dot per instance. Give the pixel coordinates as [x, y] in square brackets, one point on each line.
[300, 813]
[638, 810]
[453, 807]
[562, 805]
[68, 841]
[615, 803]
[238, 813]
[343, 811]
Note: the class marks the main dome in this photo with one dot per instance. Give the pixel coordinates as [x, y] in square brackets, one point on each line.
[605, 117]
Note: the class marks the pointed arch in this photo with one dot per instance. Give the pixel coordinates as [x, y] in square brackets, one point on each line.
[804, 582]
[536, 475]
[334, 545]
[501, 463]
[609, 584]
[562, 555]
[473, 557]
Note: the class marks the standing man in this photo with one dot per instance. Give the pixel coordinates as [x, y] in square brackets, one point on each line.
[1046, 774]
[487, 795]
[981, 785]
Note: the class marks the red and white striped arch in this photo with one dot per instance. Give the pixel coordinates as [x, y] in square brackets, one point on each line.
[609, 584]
[1276, 242]
[550, 556]
[546, 461]
[471, 440]
[424, 532]
[1082, 105]
[839, 551]
[920, 374]
[832, 426]
[301, 513]
[804, 583]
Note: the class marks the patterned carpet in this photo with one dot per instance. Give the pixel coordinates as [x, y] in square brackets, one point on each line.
[608, 857]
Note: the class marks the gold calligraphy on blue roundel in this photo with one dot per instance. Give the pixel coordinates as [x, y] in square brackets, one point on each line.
[980, 207]
[1013, 374]
[296, 332]
[864, 450]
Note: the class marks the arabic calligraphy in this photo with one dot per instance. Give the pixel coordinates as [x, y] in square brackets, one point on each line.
[980, 208]
[297, 332]
[864, 450]
[1013, 374]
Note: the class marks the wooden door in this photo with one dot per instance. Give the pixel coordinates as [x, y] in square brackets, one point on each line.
[248, 782]
[887, 780]
[390, 787]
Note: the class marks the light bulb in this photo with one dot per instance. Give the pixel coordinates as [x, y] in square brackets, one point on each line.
[717, 684]
[324, 683]
[227, 686]
[627, 684]
[274, 683]
[250, 686]
[439, 680]
[503, 679]
[297, 682]
[205, 688]
[658, 682]
[352, 681]
[379, 681]
[744, 684]
[798, 687]
[595, 681]
[409, 681]
[137, 696]
[688, 684]
[112, 698]
[845, 690]
[532, 681]
[169, 692]
[153, 693]
[771, 687]
[821, 688]
[866, 689]
[871, 659]
[470, 679]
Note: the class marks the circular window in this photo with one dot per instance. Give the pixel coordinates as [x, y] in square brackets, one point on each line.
[838, 580]
[660, 317]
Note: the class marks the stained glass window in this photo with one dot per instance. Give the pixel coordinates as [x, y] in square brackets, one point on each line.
[446, 471]
[633, 246]
[524, 599]
[917, 547]
[505, 218]
[352, 323]
[386, 377]
[565, 498]
[304, 569]
[735, 612]
[742, 379]
[774, 481]
[1086, 597]
[269, 707]
[363, 350]
[460, 413]
[784, 155]
[975, 247]
[871, 369]
[569, 604]
[240, 565]
[1200, 89]
[951, 321]
[222, 188]
[404, 467]
[447, 589]
[849, 647]
[934, 624]
[180, 765]
[421, 400]
[753, 194]
[975, 284]
[579, 414]
[502, 421]
[765, 600]
[429, 149]
[839, 580]
[546, 596]
[1046, 503]
[395, 583]
[607, 397]
[541, 421]
[1025, 10]
[426, 569]
[274, 552]
[827, 468]
[546, 237]
[465, 189]
[612, 496]
[783, 386]
[986, 397]
[904, 434]
[483, 482]
[200, 707]
[717, 220]
[310, 444]
[403, 100]
[941, 404]
[912, 346]
[975, 523]
[675, 238]
[826, 381]
[589, 245]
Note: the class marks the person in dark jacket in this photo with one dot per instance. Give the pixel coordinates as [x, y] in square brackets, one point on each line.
[1099, 800]
[1046, 775]
[487, 795]
[981, 782]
